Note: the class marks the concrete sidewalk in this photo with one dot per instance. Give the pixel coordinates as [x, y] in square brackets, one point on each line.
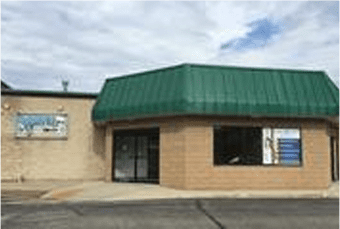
[32, 191]
[121, 192]
[128, 191]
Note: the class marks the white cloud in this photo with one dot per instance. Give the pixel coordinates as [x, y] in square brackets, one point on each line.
[309, 42]
[88, 41]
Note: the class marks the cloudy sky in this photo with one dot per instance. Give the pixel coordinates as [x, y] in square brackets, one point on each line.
[43, 43]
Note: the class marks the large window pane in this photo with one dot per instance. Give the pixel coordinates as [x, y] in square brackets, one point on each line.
[235, 145]
[125, 157]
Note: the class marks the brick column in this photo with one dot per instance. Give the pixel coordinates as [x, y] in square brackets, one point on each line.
[172, 153]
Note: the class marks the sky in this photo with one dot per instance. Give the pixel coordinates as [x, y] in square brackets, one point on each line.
[43, 43]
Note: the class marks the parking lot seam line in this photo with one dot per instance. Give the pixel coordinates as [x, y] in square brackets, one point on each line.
[75, 210]
[206, 213]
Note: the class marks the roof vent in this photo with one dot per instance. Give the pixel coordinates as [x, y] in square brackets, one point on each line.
[65, 84]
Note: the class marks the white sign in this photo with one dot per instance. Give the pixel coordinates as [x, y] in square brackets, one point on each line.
[41, 125]
[266, 142]
[286, 133]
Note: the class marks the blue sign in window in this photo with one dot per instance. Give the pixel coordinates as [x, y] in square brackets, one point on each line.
[289, 150]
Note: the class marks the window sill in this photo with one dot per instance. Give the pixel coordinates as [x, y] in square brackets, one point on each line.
[258, 166]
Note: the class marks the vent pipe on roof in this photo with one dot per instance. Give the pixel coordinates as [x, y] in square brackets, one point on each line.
[65, 84]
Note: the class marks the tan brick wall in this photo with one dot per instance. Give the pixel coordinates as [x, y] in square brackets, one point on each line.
[81, 156]
[202, 174]
[172, 155]
[186, 155]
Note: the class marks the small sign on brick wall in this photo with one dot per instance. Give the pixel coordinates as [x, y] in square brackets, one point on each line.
[41, 126]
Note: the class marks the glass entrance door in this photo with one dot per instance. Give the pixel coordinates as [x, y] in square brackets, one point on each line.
[136, 156]
[124, 158]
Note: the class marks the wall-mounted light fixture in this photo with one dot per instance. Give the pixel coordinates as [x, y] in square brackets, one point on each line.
[6, 106]
[60, 108]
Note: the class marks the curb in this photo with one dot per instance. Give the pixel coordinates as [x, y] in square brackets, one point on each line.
[23, 193]
[152, 200]
[74, 194]
[65, 195]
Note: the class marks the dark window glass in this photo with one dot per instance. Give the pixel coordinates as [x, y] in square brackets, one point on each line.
[237, 146]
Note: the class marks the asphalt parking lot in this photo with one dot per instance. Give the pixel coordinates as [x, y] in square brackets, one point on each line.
[185, 213]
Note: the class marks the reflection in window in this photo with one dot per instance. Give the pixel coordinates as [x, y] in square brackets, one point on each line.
[256, 146]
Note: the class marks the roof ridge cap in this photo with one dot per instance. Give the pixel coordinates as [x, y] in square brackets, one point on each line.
[253, 68]
[146, 72]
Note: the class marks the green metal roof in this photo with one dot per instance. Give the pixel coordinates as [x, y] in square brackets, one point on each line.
[217, 90]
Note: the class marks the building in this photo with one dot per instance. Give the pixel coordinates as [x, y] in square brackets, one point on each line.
[4, 86]
[49, 136]
[193, 127]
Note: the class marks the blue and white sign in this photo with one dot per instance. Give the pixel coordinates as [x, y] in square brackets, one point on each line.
[41, 125]
[288, 142]
[287, 133]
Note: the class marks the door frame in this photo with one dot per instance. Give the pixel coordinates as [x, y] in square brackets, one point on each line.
[148, 132]
[334, 148]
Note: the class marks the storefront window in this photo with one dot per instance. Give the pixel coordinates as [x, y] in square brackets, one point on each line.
[238, 146]
[257, 146]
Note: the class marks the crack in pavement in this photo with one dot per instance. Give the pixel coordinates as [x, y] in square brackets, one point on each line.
[75, 210]
[206, 213]
[8, 217]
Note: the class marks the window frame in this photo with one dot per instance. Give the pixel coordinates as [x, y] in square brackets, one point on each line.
[301, 159]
